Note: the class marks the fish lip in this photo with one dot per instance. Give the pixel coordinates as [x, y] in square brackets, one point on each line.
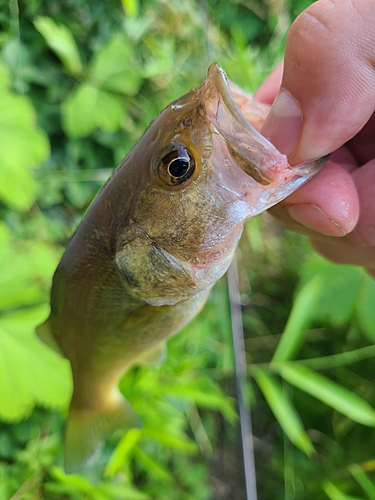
[217, 76]
[253, 169]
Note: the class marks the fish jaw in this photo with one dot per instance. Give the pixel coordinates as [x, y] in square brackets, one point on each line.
[248, 164]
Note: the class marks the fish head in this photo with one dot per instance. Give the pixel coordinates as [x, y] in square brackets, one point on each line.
[205, 169]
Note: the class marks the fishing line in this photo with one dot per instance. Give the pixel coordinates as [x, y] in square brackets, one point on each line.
[240, 369]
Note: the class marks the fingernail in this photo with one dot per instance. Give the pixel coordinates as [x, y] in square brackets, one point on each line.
[283, 125]
[313, 217]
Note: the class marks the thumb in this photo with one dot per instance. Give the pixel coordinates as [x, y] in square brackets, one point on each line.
[328, 87]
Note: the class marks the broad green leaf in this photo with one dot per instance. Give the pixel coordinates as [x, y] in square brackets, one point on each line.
[30, 372]
[365, 309]
[301, 313]
[327, 391]
[340, 288]
[112, 68]
[334, 493]
[22, 146]
[109, 111]
[131, 7]
[25, 268]
[88, 108]
[78, 111]
[62, 42]
[283, 410]
[122, 451]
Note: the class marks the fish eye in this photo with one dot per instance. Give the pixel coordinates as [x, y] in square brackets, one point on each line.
[177, 166]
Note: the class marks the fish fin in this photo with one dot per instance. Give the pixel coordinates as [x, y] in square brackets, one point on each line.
[86, 430]
[43, 331]
[153, 356]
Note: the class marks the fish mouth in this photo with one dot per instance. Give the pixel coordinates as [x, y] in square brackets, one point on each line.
[236, 118]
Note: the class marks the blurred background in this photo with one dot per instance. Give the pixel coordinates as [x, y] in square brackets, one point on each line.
[79, 83]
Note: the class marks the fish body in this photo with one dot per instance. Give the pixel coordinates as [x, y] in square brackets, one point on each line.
[155, 240]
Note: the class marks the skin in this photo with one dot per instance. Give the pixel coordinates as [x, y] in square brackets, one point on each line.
[325, 102]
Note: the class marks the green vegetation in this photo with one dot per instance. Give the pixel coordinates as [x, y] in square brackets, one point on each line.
[79, 83]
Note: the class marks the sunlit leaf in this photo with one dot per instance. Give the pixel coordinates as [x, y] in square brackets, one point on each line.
[61, 41]
[30, 372]
[365, 310]
[334, 493]
[120, 492]
[123, 451]
[109, 110]
[340, 288]
[283, 410]
[301, 313]
[88, 108]
[78, 111]
[363, 480]
[112, 68]
[131, 7]
[22, 146]
[73, 483]
[25, 267]
[327, 391]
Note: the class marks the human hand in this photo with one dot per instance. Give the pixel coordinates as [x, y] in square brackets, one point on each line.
[326, 104]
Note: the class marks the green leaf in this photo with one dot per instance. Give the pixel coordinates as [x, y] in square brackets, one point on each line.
[151, 466]
[122, 451]
[78, 111]
[206, 394]
[365, 310]
[334, 493]
[340, 288]
[30, 372]
[299, 317]
[283, 410]
[22, 146]
[61, 41]
[25, 266]
[363, 480]
[330, 393]
[172, 439]
[119, 491]
[109, 110]
[131, 8]
[74, 483]
[88, 108]
[112, 68]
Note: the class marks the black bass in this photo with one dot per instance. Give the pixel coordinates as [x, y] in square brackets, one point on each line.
[158, 236]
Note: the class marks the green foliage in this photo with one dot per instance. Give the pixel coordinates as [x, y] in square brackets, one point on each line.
[22, 146]
[283, 410]
[61, 41]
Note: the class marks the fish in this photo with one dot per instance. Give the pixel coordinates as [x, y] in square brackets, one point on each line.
[160, 233]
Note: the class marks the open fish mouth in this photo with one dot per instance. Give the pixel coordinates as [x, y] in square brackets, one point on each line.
[236, 118]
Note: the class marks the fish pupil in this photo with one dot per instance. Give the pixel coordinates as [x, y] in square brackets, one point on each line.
[178, 167]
